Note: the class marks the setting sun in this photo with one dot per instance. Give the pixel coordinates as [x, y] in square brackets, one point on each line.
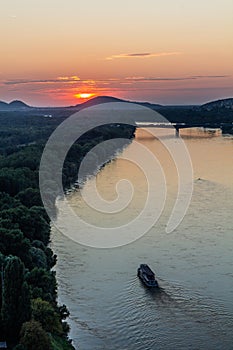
[84, 95]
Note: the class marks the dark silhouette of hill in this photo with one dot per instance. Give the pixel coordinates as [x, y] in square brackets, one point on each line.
[107, 99]
[216, 113]
[226, 103]
[98, 100]
[219, 111]
[14, 105]
[18, 104]
[3, 105]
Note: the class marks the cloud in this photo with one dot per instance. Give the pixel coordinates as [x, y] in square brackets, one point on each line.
[64, 79]
[74, 81]
[142, 55]
[69, 79]
[210, 76]
[196, 77]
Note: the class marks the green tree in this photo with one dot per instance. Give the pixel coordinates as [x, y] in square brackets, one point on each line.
[19, 347]
[13, 181]
[44, 312]
[7, 202]
[34, 337]
[16, 298]
[50, 257]
[2, 262]
[13, 242]
[30, 197]
[43, 284]
[25, 304]
[30, 221]
[38, 257]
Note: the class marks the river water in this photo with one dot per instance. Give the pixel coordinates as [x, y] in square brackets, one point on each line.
[193, 309]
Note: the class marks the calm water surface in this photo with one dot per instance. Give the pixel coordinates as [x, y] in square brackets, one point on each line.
[110, 308]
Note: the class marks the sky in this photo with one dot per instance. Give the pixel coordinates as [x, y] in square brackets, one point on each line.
[61, 52]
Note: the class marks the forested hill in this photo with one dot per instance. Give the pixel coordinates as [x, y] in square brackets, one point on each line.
[226, 104]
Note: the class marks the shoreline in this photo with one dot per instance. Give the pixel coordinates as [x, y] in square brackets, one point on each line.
[78, 185]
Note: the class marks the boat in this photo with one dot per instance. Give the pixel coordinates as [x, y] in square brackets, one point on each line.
[147, 276]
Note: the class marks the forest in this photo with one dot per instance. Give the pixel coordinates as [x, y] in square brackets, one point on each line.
[30, 316]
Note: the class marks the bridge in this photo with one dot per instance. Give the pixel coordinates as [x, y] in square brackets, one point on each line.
[179, 126]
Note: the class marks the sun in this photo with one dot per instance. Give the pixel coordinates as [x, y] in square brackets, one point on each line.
[84, 95]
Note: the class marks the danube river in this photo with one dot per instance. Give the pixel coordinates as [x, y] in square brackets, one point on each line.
[109, 307]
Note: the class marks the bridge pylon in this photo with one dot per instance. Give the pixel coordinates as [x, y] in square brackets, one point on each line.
[177, 131]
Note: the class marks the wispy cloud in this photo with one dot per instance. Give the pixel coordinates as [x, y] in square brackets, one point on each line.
[142, 55]
[69, 82]
[61, 79]
[210, 76]
[195, 77]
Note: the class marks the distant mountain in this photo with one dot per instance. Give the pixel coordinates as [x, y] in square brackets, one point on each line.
[14, 105]
[98, 100]
[18, 104]
[219, 104]
[107, 99]
[3, 105]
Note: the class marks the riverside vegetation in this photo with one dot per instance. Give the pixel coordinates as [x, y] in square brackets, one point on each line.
[30, 317]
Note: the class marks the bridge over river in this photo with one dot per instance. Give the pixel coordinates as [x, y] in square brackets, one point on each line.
[179, 126]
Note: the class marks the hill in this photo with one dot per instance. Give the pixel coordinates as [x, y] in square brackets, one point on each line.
[14, 105]
[107, 99]
[214, 111]
[98, 100]
[3, 105]
[18, 104]
[219, 104]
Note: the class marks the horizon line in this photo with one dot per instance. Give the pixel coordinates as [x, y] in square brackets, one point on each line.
[117, 98]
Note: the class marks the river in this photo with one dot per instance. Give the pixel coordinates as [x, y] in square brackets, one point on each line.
[193, 309]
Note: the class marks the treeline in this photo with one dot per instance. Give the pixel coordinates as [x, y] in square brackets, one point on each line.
[18, 129]
[30, 317]
[195, 115]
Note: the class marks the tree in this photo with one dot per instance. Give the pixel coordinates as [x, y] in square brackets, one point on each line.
[2, 262]
[38, 257]
[43, 284]
[64, 313]
[13, 242]
[31, 222]
[34, 337]
[19, 347]
[16, 298]
[30, 197]
[13, 181]
[50, 257]
[25, 304]
[43, 312]
[7, 202]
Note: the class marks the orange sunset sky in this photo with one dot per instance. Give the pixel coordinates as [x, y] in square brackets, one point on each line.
[162, 51]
